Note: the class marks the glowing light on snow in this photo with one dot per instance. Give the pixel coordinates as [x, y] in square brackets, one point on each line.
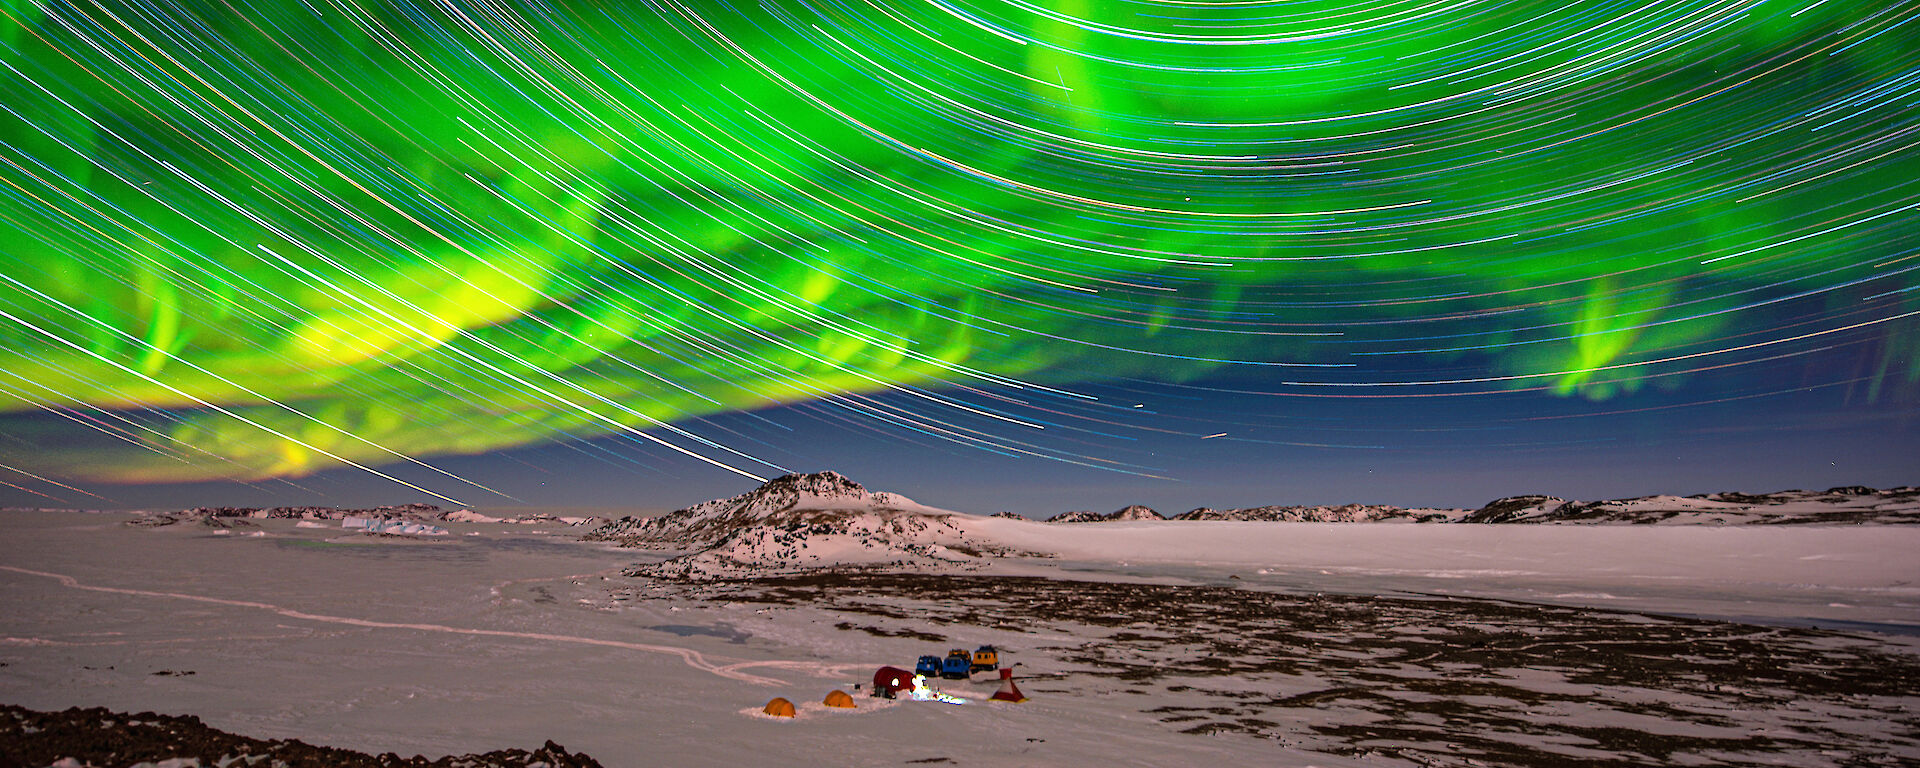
[921, 692]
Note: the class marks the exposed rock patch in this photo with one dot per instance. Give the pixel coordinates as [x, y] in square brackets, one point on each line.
[102, 738]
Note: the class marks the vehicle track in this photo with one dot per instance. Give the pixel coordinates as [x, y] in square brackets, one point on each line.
[692, 658]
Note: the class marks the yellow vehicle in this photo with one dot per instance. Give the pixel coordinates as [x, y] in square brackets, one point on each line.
[986, 659]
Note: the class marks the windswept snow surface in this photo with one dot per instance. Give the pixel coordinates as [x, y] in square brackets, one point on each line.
[501, 635]
[1703, 558]
[1823, 575]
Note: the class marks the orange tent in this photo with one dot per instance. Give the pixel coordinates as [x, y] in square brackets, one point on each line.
[779, 707]
[839, 699]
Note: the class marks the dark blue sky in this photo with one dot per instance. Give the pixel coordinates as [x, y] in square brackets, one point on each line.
[1441, 451]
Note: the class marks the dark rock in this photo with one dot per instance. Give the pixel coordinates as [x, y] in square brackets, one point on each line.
[1512, 508]
[1135, 512]
[101, 737]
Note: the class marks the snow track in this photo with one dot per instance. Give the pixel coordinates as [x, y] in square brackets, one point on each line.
[692, 658]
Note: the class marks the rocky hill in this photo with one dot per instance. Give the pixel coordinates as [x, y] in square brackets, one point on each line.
[783, 501]
[1129, 512]
[799, 522]
[1135, 512]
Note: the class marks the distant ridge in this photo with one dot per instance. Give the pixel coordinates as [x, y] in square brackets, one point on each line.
[1346, 513]
[1845, 505]
[1127, 513]
[220, 517]
[825, 520]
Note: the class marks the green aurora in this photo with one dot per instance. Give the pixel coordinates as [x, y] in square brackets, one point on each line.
[262, 240]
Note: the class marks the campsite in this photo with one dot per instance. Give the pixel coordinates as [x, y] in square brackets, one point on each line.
[504, 636]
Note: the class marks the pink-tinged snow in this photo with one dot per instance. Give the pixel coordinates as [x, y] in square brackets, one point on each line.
[503, 637]
[1831, 573]
[469, 643]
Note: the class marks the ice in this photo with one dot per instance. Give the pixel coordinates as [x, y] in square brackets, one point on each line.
[1787, 572]
[495, 638]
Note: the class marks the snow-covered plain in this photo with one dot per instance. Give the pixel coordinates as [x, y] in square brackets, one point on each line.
[501, 636]
[1837, 576]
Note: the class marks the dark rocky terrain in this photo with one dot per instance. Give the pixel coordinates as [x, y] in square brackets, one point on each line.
[1421, 681]
[1340, 513]
[1846, 505]
[1344, 513]
[223, 517]
[105, 739]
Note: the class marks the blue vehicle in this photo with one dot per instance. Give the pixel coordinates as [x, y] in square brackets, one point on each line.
[929, 666]
[958, 665]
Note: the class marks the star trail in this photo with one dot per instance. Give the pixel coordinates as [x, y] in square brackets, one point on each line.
[254, 241]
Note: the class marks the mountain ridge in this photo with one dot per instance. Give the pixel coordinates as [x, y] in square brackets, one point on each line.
[825, 520]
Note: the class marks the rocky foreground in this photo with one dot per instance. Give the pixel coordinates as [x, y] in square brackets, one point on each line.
[97, 737]
[1412, 680]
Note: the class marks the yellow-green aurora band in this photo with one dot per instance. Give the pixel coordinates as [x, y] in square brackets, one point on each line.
[264, 239]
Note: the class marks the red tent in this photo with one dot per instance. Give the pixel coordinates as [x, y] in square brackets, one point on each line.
[1008, 691]
[889, 681]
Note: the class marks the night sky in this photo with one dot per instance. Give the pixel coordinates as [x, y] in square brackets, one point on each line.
[1032, 255]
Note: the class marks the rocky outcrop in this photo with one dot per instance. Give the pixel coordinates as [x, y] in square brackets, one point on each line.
[784, 501]
[1344, 513]
[800, 522]
[101, 737]
[1130, 512]
[1513, 509]
[1135, 512]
